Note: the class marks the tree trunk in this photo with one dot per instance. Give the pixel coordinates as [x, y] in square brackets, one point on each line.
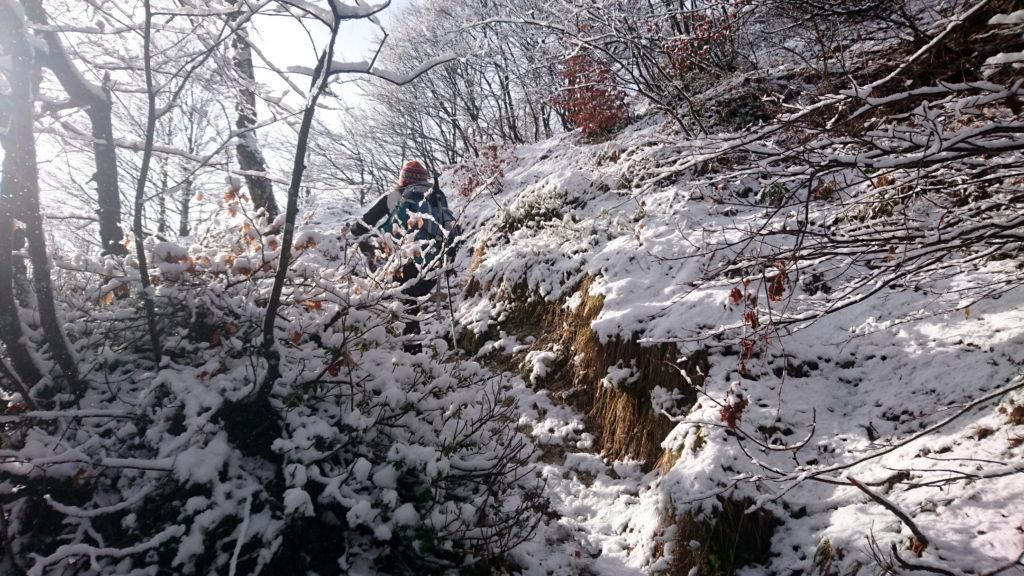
[250, 158]
[546, 120]
[97, 103]
[21, 182]
[140, 189]
[11, 331]
[108, 195]
[161, 202]
[11, 382]
[269, 344]
[184, 227]
[22, 285]
[505, 85]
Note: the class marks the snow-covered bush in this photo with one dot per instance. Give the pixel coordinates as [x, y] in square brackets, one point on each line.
[366, 458]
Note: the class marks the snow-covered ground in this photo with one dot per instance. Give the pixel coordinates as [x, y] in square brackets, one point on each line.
[874, 392]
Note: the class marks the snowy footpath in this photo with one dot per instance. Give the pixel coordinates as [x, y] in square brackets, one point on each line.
[597, 519]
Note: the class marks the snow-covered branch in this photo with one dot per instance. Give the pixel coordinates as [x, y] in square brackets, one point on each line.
[367, 68]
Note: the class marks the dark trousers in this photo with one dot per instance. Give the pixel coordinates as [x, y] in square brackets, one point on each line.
[417, 291]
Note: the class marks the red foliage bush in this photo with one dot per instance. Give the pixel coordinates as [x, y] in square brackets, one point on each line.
[593, 101]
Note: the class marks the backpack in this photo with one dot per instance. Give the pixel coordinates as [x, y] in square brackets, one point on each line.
[423, 210]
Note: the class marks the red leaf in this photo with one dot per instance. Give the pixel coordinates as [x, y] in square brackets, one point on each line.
[748, 347]
[593, 100]
[732, 412]
[750, 317]
[777, 287]
[735, 296]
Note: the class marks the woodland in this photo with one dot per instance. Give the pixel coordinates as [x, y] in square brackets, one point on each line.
[737, 287]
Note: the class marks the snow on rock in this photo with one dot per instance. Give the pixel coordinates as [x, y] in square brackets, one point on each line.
[1011, 18]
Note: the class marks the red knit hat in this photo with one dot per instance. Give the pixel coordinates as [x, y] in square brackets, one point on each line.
[412, 173]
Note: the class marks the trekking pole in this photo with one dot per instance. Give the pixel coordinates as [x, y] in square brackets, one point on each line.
[451, 306]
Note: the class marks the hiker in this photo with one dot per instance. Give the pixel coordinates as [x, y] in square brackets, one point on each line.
[416, 207]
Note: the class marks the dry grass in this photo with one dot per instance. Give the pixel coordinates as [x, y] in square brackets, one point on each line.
[473, 285]
[1015, 417]
[622, 420]
[720, 545]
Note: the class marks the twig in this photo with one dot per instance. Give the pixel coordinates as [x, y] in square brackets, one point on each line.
[920, 540]
[921, 567]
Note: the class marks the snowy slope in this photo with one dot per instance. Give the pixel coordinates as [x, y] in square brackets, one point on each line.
[844, 396]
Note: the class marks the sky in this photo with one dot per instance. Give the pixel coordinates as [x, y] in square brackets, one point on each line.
[287, 43]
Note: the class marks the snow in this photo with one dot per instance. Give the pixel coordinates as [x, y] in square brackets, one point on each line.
[1011, 18]
[1012, 58]
[171, 259]
[361, 513]
[202, 464]
[620, 376]
[361, 470]
[538, 361]
[848, 392]
[71, 550]
[385, 477]
[405, 515]
[297, 502]
[909, 390]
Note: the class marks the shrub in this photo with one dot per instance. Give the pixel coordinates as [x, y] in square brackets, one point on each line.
[487, 170]
[364, 458]
[593, 101]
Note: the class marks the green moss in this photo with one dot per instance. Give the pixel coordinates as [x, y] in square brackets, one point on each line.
[775, 194]
[827, 558]
[823, 557]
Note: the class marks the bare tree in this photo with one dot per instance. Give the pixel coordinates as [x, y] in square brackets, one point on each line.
[250, 157]
[140, 188]
[498, 92]
[26, 372]
[322, 74]
[97, 104]
[194, 125]
[21, 182]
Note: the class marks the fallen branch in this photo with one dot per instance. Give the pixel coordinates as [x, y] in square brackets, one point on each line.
[920, 542]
